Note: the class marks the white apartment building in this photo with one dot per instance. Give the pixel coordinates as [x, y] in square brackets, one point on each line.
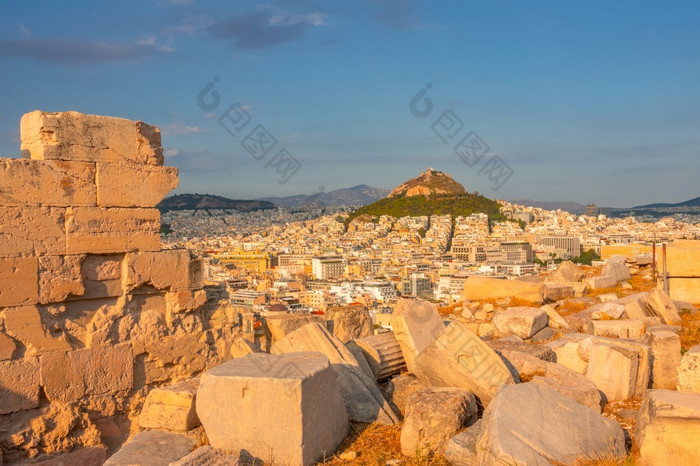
[327, 267]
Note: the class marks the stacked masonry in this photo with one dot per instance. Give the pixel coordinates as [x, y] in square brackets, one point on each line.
[90, 306]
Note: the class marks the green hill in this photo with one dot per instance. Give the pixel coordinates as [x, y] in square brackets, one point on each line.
[415, 206]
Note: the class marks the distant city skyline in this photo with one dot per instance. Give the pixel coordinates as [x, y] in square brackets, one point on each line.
[593, 103]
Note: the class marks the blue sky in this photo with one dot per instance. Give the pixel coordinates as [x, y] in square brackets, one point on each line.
[588, 101]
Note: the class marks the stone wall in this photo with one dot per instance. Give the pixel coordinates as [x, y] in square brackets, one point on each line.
[92, 311]
[683, 259]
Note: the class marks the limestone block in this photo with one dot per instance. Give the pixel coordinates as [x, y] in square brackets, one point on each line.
[185, 301]
[98, 230]
[617, 270]
[522, 321]
[555, 376]
[153, 448]
[7, 347]
[568, 355]
[32, 231]
[513, 431]
[171, 408]
[24, 324]
[18, 281]
[624, 328]
[666, 351]
[459, 358]
[617, 384]
[72, 375]
[98, 267]
[567, 271]
[281, 325]
[461, 449]
[131, 185]
[555, 319]
[46, 183]
[101, 276]
[603, 281]
[482, 288]
[363, 399]
[609, 310]
[349, 322]
[174, 358]
[662, 306]
[298, 390]
[19, 385]
[383, 354]
[433, 417]
[689, 371]
[208, 456]
[635, 305]
[668, 428]
[168, 269]
[402, 387]
[241, 347]
[416, 324]
[88, 138]
[557, 291]
[511, 344]
[59, 278]
[86, 456]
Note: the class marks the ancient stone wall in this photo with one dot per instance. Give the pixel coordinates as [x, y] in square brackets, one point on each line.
[92, 311]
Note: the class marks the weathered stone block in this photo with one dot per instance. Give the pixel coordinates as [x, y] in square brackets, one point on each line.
[567, 353]
[19, 385]
[18, 281]
[32, 231]
[349, 322]
[522, 321]
[168, 269]
[299, 390]
[281, 325]
[689, 371]
[72, 375]
[383, 354]
[461, 449]
[666, 351]
[171, 407]
[618, 270]
[89, 138]
[617, 384]
[624, 328]
[363, 399]
[99, 230]
[185, 301]
[459, 358]
[130, 185]
[513, 433]
[603, 281]
[59, 278]
[555, 376]
[24, 324]
[46, 183]
[208, 456]
[416, 324]
[433, 417]
[7, 347]
[153, 448]
[668, 428]
[662, 306]
[481, 288]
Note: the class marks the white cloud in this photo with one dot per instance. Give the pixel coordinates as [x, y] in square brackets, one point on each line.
[180, 129]
[151, 41]
[172, 152]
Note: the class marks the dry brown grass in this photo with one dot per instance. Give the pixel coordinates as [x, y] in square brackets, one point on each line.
[376, 444]
[517, 301]
[455, 308]
[690, 331]
[571, 307]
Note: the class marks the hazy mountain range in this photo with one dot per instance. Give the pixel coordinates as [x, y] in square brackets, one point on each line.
[357, 195]
[209, 201]
[690, 203]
